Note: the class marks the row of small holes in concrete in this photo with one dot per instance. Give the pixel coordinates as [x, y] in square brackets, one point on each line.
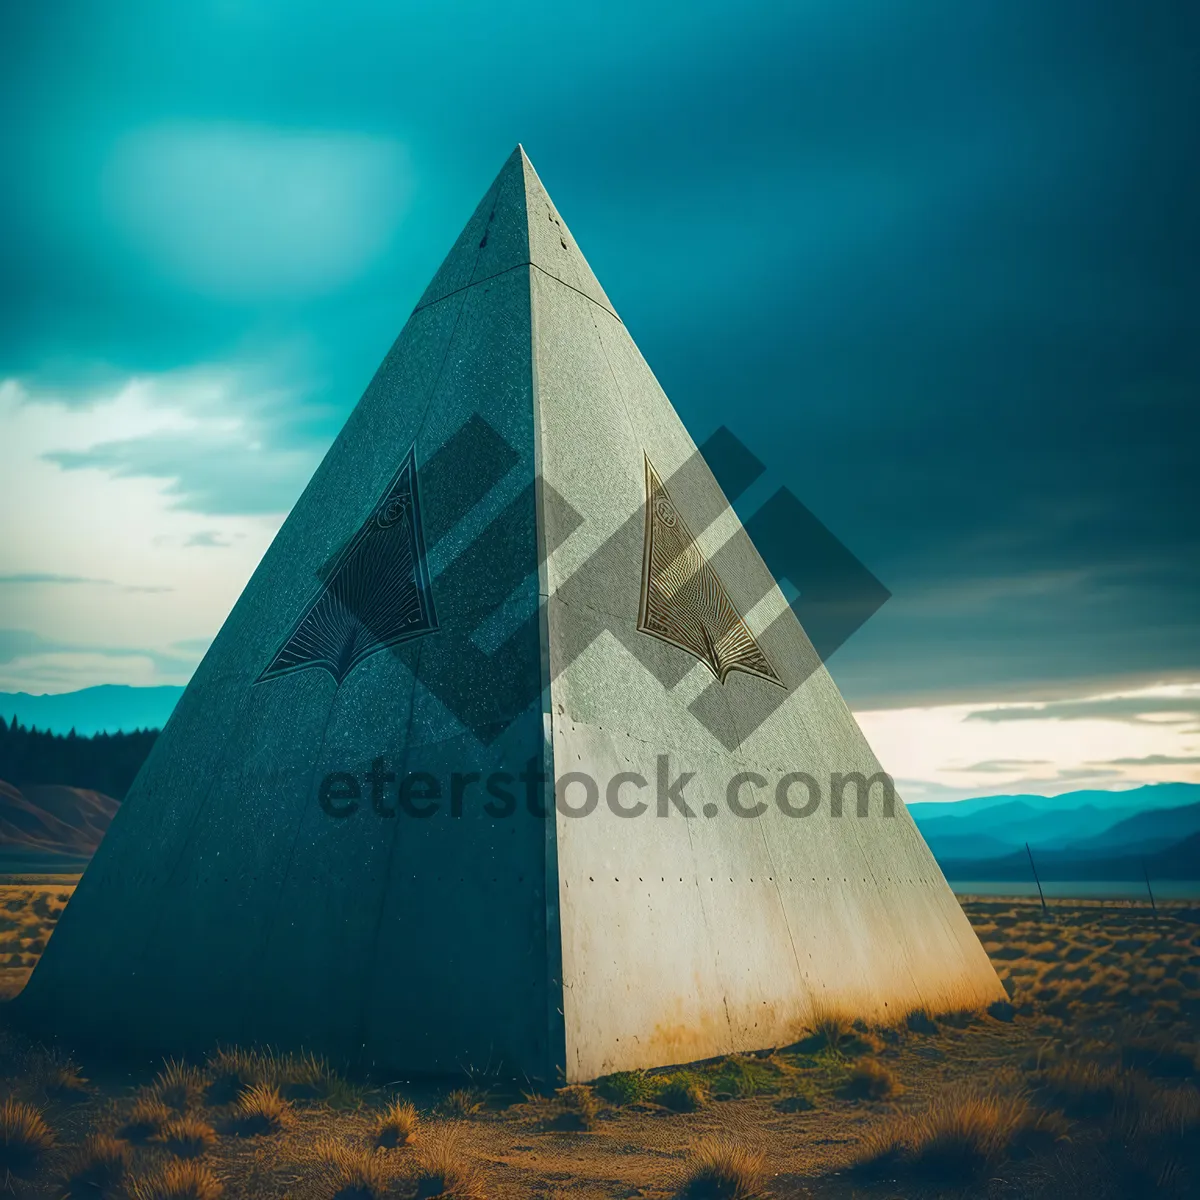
[616, 879]
[769, 879]
[415, 879]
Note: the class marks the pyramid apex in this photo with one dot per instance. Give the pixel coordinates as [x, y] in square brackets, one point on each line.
[515, 224]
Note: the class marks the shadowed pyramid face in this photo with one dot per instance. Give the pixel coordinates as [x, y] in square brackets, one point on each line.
[376, 592]
[684, 602]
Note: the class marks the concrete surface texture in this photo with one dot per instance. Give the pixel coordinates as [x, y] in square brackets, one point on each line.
[346, 836]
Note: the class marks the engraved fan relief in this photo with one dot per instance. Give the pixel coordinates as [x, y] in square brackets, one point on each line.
[376, 592]
[684, 602]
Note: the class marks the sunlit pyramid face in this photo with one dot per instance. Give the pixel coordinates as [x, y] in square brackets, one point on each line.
[684, 602]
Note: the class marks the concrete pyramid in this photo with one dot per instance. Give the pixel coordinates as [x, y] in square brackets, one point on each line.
[511, 568]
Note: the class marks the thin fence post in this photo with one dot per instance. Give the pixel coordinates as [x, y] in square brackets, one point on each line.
[1036, 880]
[1149, 889]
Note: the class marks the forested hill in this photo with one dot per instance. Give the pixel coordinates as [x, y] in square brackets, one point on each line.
[105, 762]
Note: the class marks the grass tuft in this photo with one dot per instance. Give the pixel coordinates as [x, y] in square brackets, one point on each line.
[180, 1179]
[827, 1029]
[722, 1169]
[871, 1080]
[627, 1087]
[959, 1137]
[260, 1110]
[1001, 1010]
[866, 1042]
[1150, 1148]
[683, 1092]
[25, 1138]
[577, 1108]
[146, 1119]
[445, 1170]
[188, 1136]
[96, 1169]
[960, 1018]
[179, 1085]
[832, 1029]
[1089, 1089]
[307, 1076]
[64, 1080]
[231, 1070]
[919, 1021]
[397, 1124]
[464, 1102]
[358, 1174]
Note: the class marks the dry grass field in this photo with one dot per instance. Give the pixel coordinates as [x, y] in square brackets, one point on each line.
[29, 907]
[1084, 1086]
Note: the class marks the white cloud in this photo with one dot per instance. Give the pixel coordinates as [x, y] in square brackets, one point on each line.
[243, 212]
[125, 529]
[947, 752]
[68, 671]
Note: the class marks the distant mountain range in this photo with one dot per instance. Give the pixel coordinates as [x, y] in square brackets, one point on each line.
[53, 828]
[110, 708]
[1090, 835]
[1087, 835]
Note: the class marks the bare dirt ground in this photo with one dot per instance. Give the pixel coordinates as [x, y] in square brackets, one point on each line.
[1084, 1086]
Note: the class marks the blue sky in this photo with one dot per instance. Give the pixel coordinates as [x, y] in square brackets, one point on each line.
[934, 262]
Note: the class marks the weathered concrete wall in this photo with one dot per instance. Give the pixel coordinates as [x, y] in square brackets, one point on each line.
[686, 938]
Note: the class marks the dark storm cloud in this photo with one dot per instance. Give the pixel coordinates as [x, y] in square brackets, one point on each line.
[933, 263]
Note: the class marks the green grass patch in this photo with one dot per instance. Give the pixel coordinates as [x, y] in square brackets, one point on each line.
[627, 1087]
[796, 1077]
[740, 1077]
[800, 1094]
[683, 1091]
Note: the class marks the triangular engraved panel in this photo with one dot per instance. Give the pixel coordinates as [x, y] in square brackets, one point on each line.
[376, 591]
[684, 602]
